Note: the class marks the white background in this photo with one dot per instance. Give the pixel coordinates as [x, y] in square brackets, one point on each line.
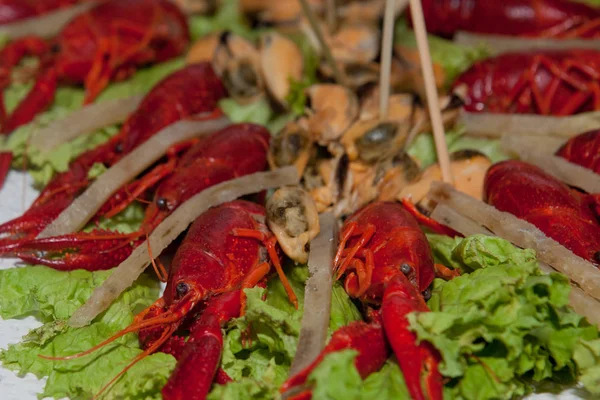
[15, 197]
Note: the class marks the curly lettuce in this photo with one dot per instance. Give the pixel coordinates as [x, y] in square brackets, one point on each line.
[503, 324]
[53, 296]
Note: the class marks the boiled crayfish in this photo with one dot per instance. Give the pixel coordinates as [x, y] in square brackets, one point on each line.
[583, 149]
[534, 18]
[16, 10]
[235, 151]
[543, 82]
[387, 263]
[103, 44]
[224, 251]
[562, 213]
[192, 90]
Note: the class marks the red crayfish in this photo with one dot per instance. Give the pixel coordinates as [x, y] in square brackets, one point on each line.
[230, 153]
[224, 251]
[534, 18]
[544, 82]
[192, 90]
[387, 263]
[106, 43]
[16, 10]
[564, 214]
[583, 149]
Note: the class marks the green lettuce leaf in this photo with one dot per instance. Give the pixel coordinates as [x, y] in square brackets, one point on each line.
[423, 147]
[336, 378]
[258, 112]
[503, 322]
[454, 58]
[259, 347]
[43, 166]
[228, 17]
[53, 296]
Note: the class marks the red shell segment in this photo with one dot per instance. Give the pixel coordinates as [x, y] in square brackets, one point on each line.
[583, 149]
[538, 18]
[560, 212]
[543, 82]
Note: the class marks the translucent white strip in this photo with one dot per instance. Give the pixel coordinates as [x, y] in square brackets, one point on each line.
[497, 125]
[498, 44]
[317, 295]
[85, 120]
[46, 25]
[571, 174]
[84, 207]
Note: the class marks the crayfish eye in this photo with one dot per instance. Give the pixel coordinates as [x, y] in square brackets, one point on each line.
[405, 268]
[426, 294]
[55, 48]
[597, 257]
[162, 204]
[182, 288]
[119, 148]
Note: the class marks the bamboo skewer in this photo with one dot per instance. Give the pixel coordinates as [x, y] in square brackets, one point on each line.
[386, 58]
[435, 114]
[339, 75]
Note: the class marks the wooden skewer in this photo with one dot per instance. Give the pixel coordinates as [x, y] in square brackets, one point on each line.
[331, 15]
[386, 58]
[387, 41]
[435, 114]
[339, 75]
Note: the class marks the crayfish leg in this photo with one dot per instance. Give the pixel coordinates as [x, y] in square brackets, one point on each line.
[6, 158]
[198, 364]
[37, 100]
[270, 242]
[429, 222]
[418, 362]
[367, 339]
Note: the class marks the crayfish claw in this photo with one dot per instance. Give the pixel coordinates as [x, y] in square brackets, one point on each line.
[418, 362]
[78, 251]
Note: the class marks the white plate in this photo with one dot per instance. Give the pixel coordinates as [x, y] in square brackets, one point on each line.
[15, 197]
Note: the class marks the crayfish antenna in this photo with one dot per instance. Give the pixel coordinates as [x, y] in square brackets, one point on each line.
[6, 158]
[168, 317]
[428, 222]
[163, 338]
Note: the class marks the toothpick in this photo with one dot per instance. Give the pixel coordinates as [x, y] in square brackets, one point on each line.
[339, 75]
[386, 58]
[331, 15]
[435, 114]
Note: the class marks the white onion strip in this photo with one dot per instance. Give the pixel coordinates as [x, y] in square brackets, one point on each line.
[85, 120]
[571, 174]
[522, 234]
[84, 207]
[498, 44]
[582, 303]
[46, 25]
[448, 216]
[168, 230]
[317, 295]
[497, 125]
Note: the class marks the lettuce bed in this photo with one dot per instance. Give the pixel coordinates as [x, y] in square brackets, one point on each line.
[501, 329]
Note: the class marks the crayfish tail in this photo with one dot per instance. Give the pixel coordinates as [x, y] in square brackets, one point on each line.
[418, 362]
